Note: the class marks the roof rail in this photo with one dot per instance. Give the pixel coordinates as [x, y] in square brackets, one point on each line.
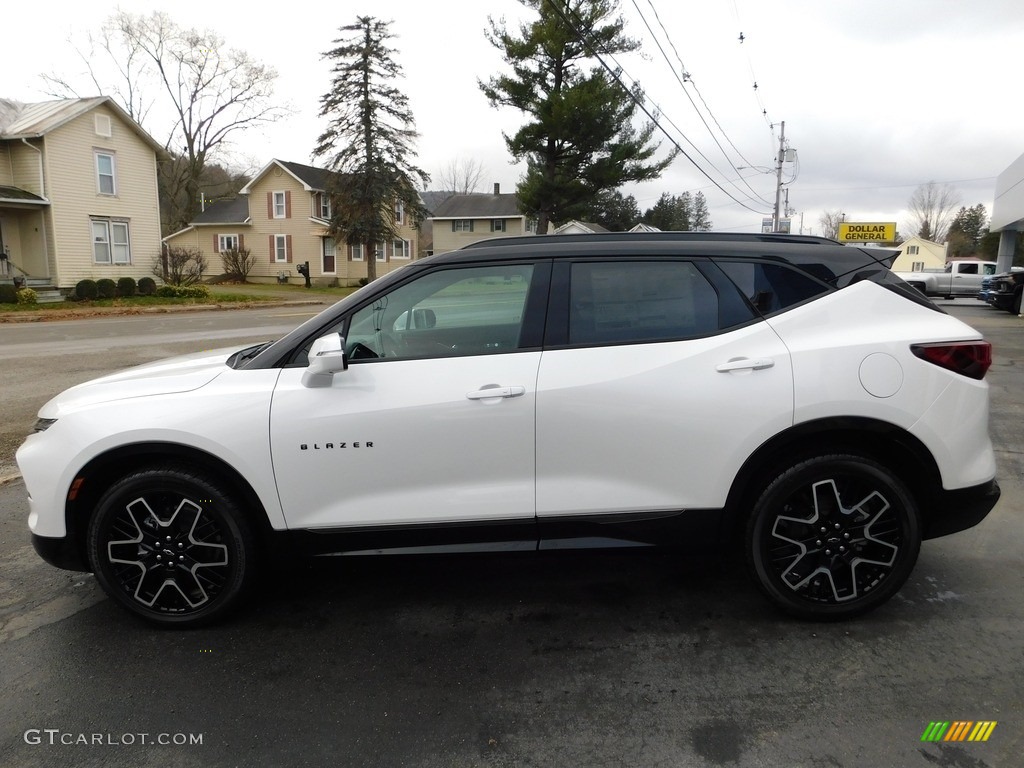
[751, 237]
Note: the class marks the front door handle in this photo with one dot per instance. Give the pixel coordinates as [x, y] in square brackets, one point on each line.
[746, 364]
[495, 391]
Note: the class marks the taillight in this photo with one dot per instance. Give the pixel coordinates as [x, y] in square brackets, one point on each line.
[968, 358]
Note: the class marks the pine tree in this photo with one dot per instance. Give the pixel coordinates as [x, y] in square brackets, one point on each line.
[579, 137]
[368, 141]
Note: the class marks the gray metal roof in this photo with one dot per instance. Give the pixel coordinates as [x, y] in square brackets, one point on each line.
[316, 178]
[478, 206]
[231, 211]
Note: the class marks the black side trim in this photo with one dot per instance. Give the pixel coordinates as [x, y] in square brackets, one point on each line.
[691, 529]
[954, 511]
[60, 552]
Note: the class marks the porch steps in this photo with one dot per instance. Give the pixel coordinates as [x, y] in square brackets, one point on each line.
[46, 292]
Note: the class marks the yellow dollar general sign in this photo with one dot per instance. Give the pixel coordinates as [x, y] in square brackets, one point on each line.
[959, 730]
[867, 232]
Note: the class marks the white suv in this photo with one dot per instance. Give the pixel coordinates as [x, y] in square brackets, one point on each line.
[786, 394]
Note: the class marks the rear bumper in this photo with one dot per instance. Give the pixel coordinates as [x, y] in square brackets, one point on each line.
[61, 552]
[953, 511]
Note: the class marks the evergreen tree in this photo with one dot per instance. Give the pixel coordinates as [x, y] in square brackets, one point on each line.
[700, 221]
[969, 227]
[368, 141]
[613, 211]
[579, 137]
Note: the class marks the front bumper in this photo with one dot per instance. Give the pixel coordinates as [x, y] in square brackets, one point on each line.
[953, 511]
[62, 552]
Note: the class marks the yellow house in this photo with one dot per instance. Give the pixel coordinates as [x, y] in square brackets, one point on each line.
[78, 193]
[281, 216]
[917, 254]
[464, 219]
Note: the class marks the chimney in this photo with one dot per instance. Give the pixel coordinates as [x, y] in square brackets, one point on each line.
[497, 188]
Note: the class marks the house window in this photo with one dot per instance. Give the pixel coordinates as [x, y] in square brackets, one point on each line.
[497, 225]
[462, 225]
[227, 243]
[323, 205]
[380, 253]
[280, 248]
[105, 173]
[399, 213]
[357, 252]
[400, 249]
[913, 250]
[531, 225]
[110, 242]
[280, 205]
[102, 125]
[917, 266]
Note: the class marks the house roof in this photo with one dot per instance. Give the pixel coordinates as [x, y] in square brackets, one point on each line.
[582, 226]
[231, 211]
[312, 179]
[16, 195]
[478, 206]
[31, 121]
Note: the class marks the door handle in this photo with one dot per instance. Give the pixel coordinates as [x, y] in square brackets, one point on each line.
[746, 364]
[494, 391]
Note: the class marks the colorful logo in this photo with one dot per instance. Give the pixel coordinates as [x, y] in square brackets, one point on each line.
[959, 730]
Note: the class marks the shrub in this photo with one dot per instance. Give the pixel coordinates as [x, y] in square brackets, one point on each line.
[86, 290]
[364, 281]
[147, 286]
[183, 292]
[180, 266]
[26, 296]
[8, 294]
[238, 263]
[126, 286]
[106, 288]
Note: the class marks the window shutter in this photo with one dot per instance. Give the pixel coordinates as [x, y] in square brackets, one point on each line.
[272, 249]
[453, 225]
[288, 204]
[470, 225]
[270, 205]
[216, 243]
[288, 241]
[241, 241]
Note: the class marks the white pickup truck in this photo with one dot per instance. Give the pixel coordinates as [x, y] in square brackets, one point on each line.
[959, 278]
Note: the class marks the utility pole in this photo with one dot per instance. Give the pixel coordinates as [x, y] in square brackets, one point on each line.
[778, 176]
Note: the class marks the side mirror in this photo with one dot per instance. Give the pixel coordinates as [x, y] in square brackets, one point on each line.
[423, 318]
[326, 357]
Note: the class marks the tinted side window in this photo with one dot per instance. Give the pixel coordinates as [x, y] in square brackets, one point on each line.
[637, 301]
[771, 287]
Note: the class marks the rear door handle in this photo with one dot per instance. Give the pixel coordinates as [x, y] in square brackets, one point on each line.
[746, 364]
[494, 391]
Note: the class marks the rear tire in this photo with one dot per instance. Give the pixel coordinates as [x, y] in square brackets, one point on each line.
[833, 537]
[1015, 307]
[170, 545]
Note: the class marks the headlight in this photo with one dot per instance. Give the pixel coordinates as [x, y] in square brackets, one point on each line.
[43, 424]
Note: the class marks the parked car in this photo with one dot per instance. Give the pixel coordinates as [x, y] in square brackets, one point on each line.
[1006, 289]
[781, 394]
[959, 278]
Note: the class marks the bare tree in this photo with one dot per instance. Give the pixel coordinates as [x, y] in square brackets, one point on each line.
[461, 176]
[932, 208]
[184, 86]
[830, 221]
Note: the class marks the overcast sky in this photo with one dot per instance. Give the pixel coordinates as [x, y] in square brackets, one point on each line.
[877, 97]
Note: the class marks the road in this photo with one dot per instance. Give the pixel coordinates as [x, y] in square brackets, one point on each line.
[587, 660]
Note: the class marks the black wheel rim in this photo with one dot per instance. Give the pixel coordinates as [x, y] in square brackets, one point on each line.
[836, 540]
[167, 554]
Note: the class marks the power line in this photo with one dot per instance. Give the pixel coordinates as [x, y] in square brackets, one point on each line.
[614, 74]
[683, 77]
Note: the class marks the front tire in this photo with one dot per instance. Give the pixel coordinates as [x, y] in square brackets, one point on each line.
[170, 545]
[833, 537]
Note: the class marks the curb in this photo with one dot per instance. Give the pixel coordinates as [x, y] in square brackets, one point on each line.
[43, 316]
[5, 479]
